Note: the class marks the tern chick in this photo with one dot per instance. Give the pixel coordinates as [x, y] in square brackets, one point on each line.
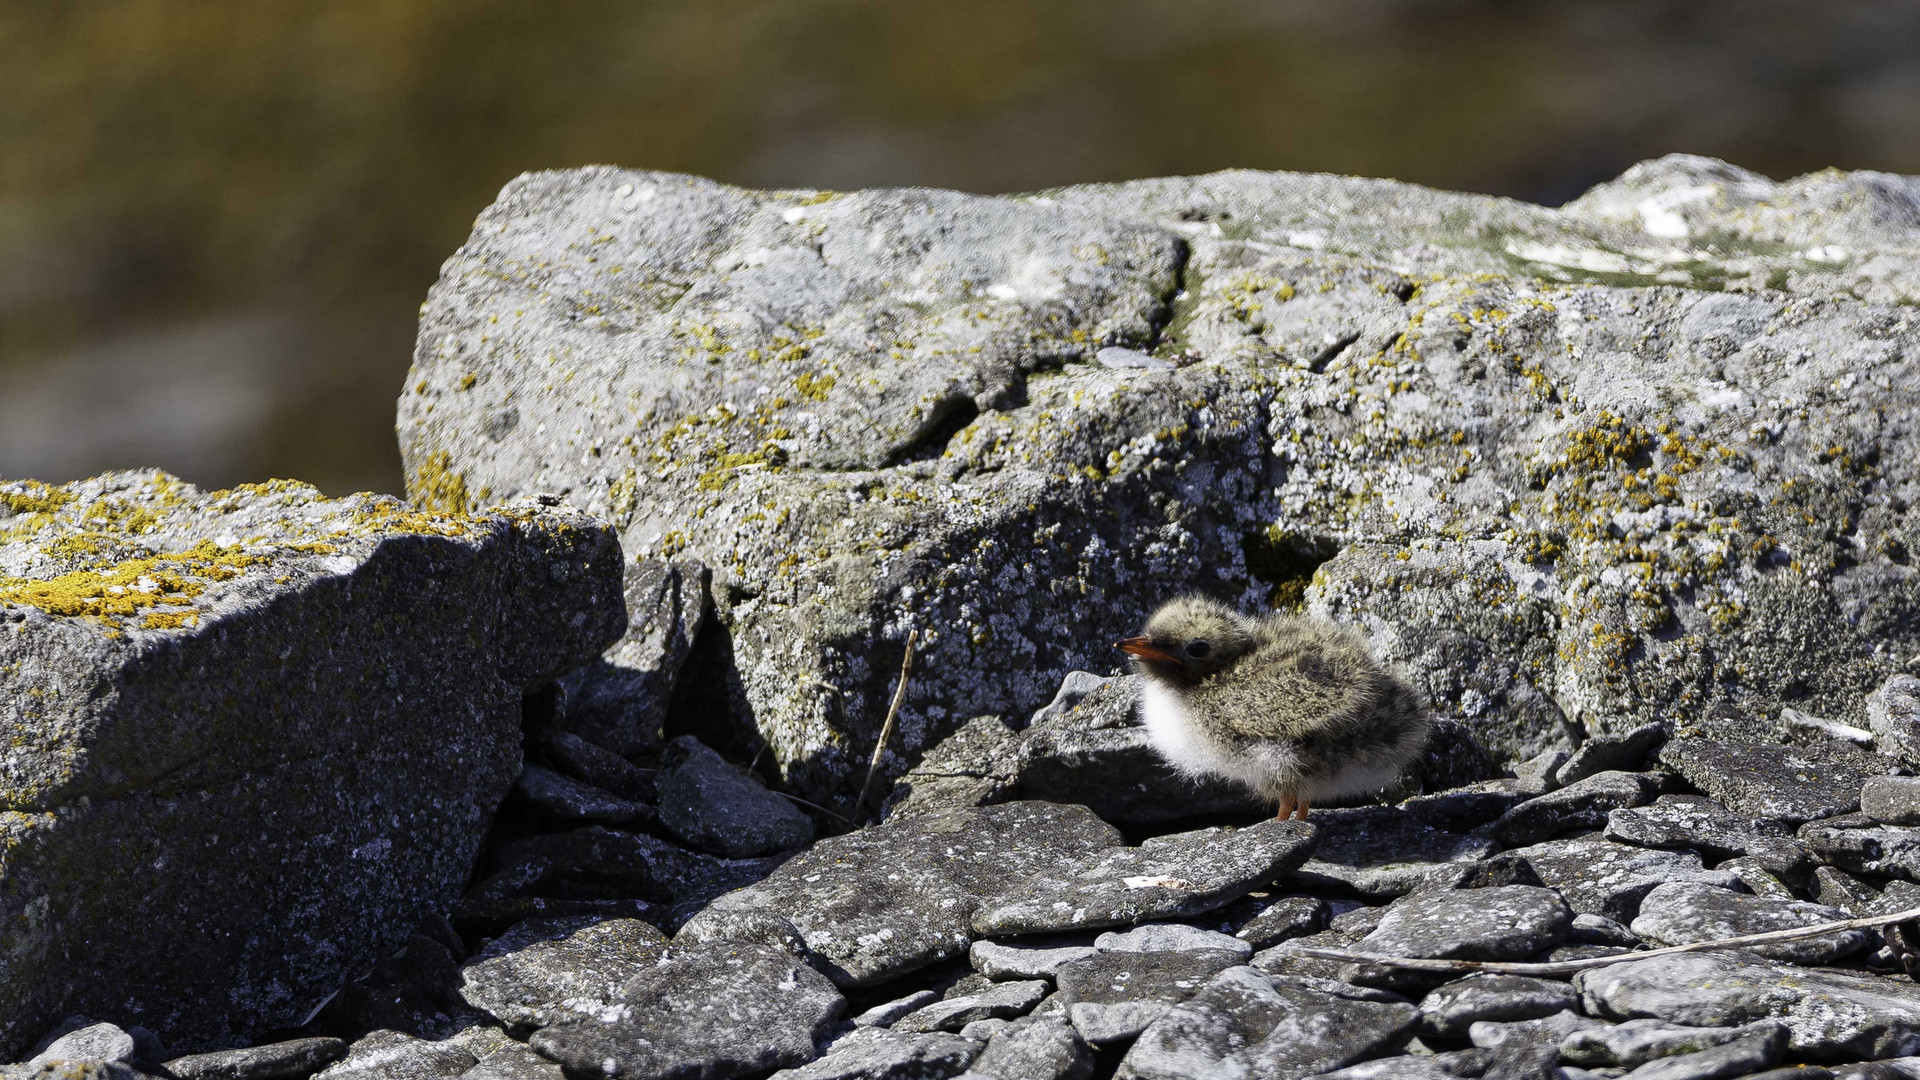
[1297, 710]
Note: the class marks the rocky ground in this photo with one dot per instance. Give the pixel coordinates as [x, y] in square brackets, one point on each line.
[361, 789]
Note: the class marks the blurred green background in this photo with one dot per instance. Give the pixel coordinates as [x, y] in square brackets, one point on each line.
[218, 220]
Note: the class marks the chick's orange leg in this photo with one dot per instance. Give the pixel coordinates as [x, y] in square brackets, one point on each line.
[1286, 809]
[1300, 811]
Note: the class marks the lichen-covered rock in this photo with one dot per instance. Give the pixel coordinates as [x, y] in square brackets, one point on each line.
[1578, 468]
[548, 971]
[711, 805]
[257, 734]
[1683, 912]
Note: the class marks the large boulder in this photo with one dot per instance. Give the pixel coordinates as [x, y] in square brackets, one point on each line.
[256, 735]
[1645, 456]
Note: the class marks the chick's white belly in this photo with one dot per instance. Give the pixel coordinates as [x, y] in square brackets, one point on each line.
[1188, 748]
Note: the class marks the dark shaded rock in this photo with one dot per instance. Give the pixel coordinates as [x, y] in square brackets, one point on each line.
[1839, 889]
[550, 971]
[1381, 851]
[1036, 1048]
[1027, 959]
[1583, 804]
[1626, 752]
[1863, 846]
[1501, 923]
[1165, 877]
[1244, 1022]
[337, 681]
[619, 701]
[1284, 918]
[1171, 937]
[712, 1009]
[1098, 755]
[1487, 874]
[393, 1055]
[295, 1059]
[1452, 759]
[716, 808]
[998, 1001]
[974, 766]
[589, 763]
[879, 1054]
[1603, 878]
[1114, 996]
[1589, 929]
[576, 803]
[1789, 784]
[413, 990]
[1636, 1042]
[599, 863]
[1891, 800]
[1681, 913]
[1748, 1054]
[898, 896]
[1466, 808]
[1829, 1015]
[1692, 822]
[1450, 1010]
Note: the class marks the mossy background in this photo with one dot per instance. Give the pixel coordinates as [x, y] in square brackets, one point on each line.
[217, 221]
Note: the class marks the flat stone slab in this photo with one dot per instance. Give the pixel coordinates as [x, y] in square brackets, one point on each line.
[898, 896]
[1166, 877]
[1450, 1010]
[1636, 1042]
[1507, 922]
[1626, 752]
[1171, 937]
[575, 801]
[709, 1009]
[1247, 1023]
[1023, 959]
[1382, 851]
[1863, 846]
[1891, 800]
[1035, 1048]
[1683, 912]
[1692, 822]
[1583, 804]
[1114, 996]
[1000, 1001]
[549, 971]
[710, 805]
[1788, 784]
[1829, 1015]
[294, 1057]
[1599, 877]
[878, 1052]
[338, 681]
[388, 1055]
[1284, 918]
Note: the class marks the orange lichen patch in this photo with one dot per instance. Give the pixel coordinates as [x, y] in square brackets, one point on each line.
[33, 497]
[133, 586]
[436, 485]
[393, 516]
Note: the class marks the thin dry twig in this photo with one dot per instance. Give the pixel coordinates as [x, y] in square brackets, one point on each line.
[1569, 967]
[811, 805]
[893, 713]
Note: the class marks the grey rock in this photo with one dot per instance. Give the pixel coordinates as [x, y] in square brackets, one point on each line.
[1893, 800]
[710, 1009]
[879, 1054]
[1839, 889]
[1452, 759]
[576, 803]
[1583, 804]
[1748, 1054]
[550, 971]
[1097, 754]
[1829, 1015]
[394, 1055]
[1244, 1022]
[72, 1070]
[1599, 877]
[338, 681]
[1035, 1048]
[1285, 918]
[618, 701]
[1381, 852]
[1473, 1063]
[1546, 1033]
[974, 766]
[1171, 937]
[294, 1059]
[760, 366]
[1683, 912]
[590, 763]
[1759, 879]
[1450, 1010]
[895, 897]
[1132, 359]
[1893, 712]
[1636, 1042]
[623, 864]
[1000, 1001]
[1073, 689]
[1789, 784]
[513, 1061]
[1692, 822]
[95, 1042]
[1589, 929]
[1023, 959]
[1466, 808]
[713, 806]
[1490, 873]
[1626, 752]
[1795, 720]
[885, 1013]
[1502, 923]
[1863, 846]
[1541, 772]
[1166, 877]
[1110, 997]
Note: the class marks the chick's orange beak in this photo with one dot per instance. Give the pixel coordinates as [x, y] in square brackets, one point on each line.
[1143, 648]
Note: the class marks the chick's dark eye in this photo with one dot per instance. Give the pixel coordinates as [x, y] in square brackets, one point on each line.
[1198, 649]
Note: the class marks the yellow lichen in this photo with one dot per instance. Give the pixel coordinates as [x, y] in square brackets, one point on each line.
[437, 486]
